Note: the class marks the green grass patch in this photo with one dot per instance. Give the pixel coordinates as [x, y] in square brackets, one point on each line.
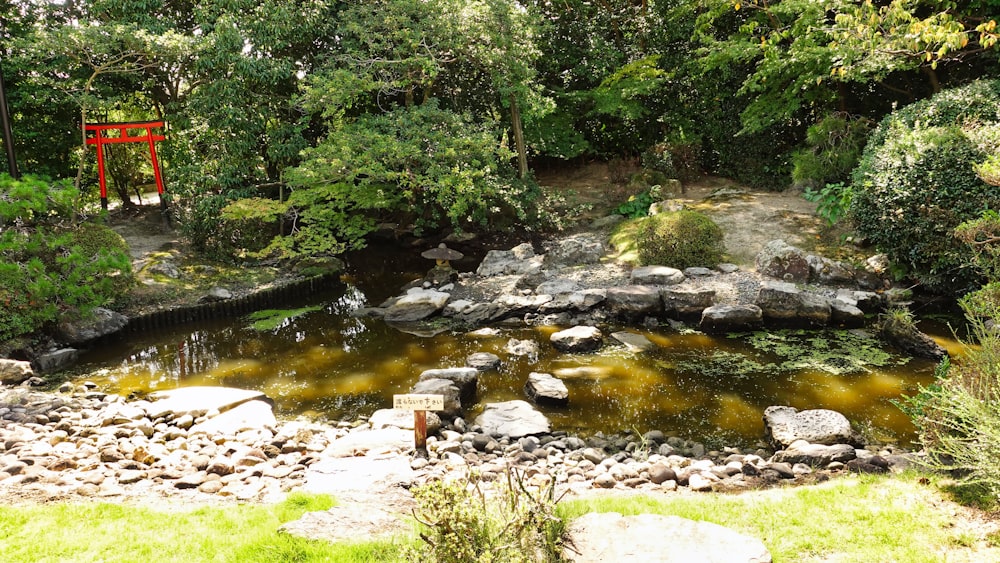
[86, 532]
[623, 239]
[858, 519]
[271, 319]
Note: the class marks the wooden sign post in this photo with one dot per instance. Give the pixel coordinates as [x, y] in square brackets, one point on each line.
[419, 404]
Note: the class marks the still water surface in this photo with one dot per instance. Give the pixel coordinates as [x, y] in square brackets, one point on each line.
[328, 364]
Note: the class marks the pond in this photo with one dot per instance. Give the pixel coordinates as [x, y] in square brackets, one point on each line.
[322, 362]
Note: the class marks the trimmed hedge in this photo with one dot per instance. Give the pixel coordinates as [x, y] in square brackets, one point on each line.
[916, 182]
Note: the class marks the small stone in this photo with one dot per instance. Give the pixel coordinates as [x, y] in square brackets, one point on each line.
[604, 481]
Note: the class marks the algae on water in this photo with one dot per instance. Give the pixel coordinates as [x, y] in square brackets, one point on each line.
[837, 352]
[271, 319]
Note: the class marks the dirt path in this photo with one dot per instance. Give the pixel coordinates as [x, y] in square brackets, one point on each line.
[749, 219]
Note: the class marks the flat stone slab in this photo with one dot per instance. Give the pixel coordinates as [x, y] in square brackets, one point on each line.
[351, 522]
[603, 537]
[512, 418]
[252, 415]
[632, 341]
[198, 400]
[351, 477]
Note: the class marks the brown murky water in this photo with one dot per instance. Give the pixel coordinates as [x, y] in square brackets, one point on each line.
[327, 363]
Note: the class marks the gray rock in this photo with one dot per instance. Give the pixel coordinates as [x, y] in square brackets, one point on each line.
[450, 391]
[198, 400]
[513, 419]
[215, 295]
[779, 300]
[601, 537]
[784, 425]
[13, 372]
[164, 268]
[632, 341]
[845, 314]
[398, 418]
[815, 309]
[634, 300]
[527, 348]
[659, 473]
[251, 415]
[829, 272]
[543, 388]
[587, 299]
[727, 268]
[821, 455]
[727, 318]
[416, 304]
[686, 301]
[517, 261]
[780, 260]
[483, 361]
[466, 379]
[577, 339]
[657, 275]
[698, 272]
[574, 250]
[102, 322]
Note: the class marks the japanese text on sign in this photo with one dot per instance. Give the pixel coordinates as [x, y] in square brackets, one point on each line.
[418, 402]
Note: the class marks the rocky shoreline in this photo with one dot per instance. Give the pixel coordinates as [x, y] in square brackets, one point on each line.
[216, 444]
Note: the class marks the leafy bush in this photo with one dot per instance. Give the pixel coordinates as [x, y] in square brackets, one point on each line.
[466, 523]
[916, 182]
[50, 266]
[422, 165]
[679, 239]
[833, 201]
[833, 147]
[636, 206]
[681, 160]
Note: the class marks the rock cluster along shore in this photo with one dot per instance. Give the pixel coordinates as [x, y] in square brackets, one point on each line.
[577, 282]
[215, 443]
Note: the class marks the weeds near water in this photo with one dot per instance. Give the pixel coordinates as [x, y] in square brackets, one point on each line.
[467, 521]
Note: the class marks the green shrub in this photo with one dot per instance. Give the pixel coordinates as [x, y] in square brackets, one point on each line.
[636, 206]
[833, 147]
[50, 266]
[917, 181]
[679, 239]
[833, 201]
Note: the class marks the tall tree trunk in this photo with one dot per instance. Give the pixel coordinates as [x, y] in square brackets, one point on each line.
[515, 122]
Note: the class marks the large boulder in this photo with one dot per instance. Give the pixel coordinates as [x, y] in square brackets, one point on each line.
[417, 304]
[779, 259]
[686, 301]
[13, 372]
[779, 300]
[517, 261]
[512, 418]
[544, 388]
[577, 339]
[829, 272]
[584, 248]
[448, 389]
[729, 318]
[784, 425]
[102, 322]
[465, 378]
[634, 300]
[600, 537]
[55, 360]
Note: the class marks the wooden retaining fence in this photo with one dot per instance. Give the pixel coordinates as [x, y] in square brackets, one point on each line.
[235, 307]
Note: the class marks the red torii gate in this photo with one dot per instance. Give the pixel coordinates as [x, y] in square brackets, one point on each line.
[100, 138]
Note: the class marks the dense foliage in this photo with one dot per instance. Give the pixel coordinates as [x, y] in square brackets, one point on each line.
[679, 239]
[917, 181]
[309, 122]
[52, 266]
